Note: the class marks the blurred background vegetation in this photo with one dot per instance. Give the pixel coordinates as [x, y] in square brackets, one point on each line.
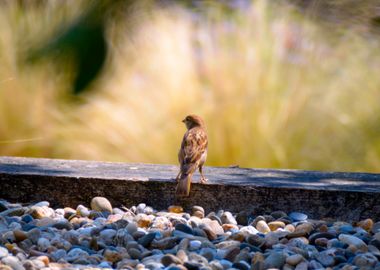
[280, 85]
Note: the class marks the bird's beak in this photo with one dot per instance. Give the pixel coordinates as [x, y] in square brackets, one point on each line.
[184, 121]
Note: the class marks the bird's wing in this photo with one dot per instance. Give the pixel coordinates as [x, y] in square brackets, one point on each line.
[194, 144]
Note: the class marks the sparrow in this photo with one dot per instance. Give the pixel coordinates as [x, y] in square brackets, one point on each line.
[192, 154]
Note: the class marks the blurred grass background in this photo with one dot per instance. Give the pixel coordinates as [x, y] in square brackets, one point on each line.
[279, 85]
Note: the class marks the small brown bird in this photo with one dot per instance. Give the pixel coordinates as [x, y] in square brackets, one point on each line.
[192, 154]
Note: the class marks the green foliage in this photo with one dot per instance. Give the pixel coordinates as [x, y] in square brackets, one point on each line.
[84, 41]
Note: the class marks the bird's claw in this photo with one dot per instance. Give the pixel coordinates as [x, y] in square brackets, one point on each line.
[204, 180]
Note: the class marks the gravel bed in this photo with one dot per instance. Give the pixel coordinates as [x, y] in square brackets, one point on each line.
[37, 236]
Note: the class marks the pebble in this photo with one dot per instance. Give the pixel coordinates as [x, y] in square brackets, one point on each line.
[3, 252]
[257, 219]
[147, 239]
[101, 204]
[228, 218]
[262, 226]
[230, 227]
[107, 236]
[40, 237]
[19, 235]
[208, 253]
[242, 218]
[198, 211]
[376, 227]
[17, 211]
[213, 216]
[305, 228]
[63, 225]
[295, 259]
[45, 222]
[353, 241]
[214, 225]
[175, 209]
[43, 244]
[104, 265]
[297, 216]
[231, 253]
[322, 242]
[255, 240]
[135, 253]
[290, 228]
[274, 225]
[366, 224]
[143, 220]
[211, 234]
[321, 235]
[13, 262]
[40, 211]
[242, 265]
[274, 260]
[140, 208]
[184, 228]
[365, 260]
[278, 214]
[249, 230]
[131, 228]
[82, 211]
[169, 259]
[34, 234]
[325, 259]
[195, 245]
[305, 266]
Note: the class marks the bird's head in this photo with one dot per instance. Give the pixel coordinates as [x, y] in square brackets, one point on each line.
[192, 121]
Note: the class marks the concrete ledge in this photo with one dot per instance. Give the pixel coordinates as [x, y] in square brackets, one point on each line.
[345, 196]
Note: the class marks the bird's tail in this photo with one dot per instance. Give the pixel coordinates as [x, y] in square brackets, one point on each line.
[183, 186]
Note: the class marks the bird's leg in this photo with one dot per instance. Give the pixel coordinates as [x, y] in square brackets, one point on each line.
[203, 178]
[178, 176]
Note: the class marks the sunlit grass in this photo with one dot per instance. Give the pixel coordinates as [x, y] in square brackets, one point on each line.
[275, 89]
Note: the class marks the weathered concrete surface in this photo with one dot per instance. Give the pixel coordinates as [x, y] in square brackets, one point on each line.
[347, 196]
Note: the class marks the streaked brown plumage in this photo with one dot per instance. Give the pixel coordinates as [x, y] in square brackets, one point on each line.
[192, 154]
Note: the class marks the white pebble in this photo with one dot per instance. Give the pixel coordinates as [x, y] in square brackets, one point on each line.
[195, 245]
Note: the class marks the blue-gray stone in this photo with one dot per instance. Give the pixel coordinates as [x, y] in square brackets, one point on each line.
[297, 216]
[336, 244]
[58, 254]
[208, 253]
[12, 219]
[181, 234]
[27, 218]
[75, 254]
[147, 239]
[242, 265]
[325, 259]
[184, 228]
[348, 229]
[226, 264]
[340, 259]
[105, 265]
[195, 245]
[85, 249]
[365, 260]
[252, 248]
[275, 260]
[313, 264]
